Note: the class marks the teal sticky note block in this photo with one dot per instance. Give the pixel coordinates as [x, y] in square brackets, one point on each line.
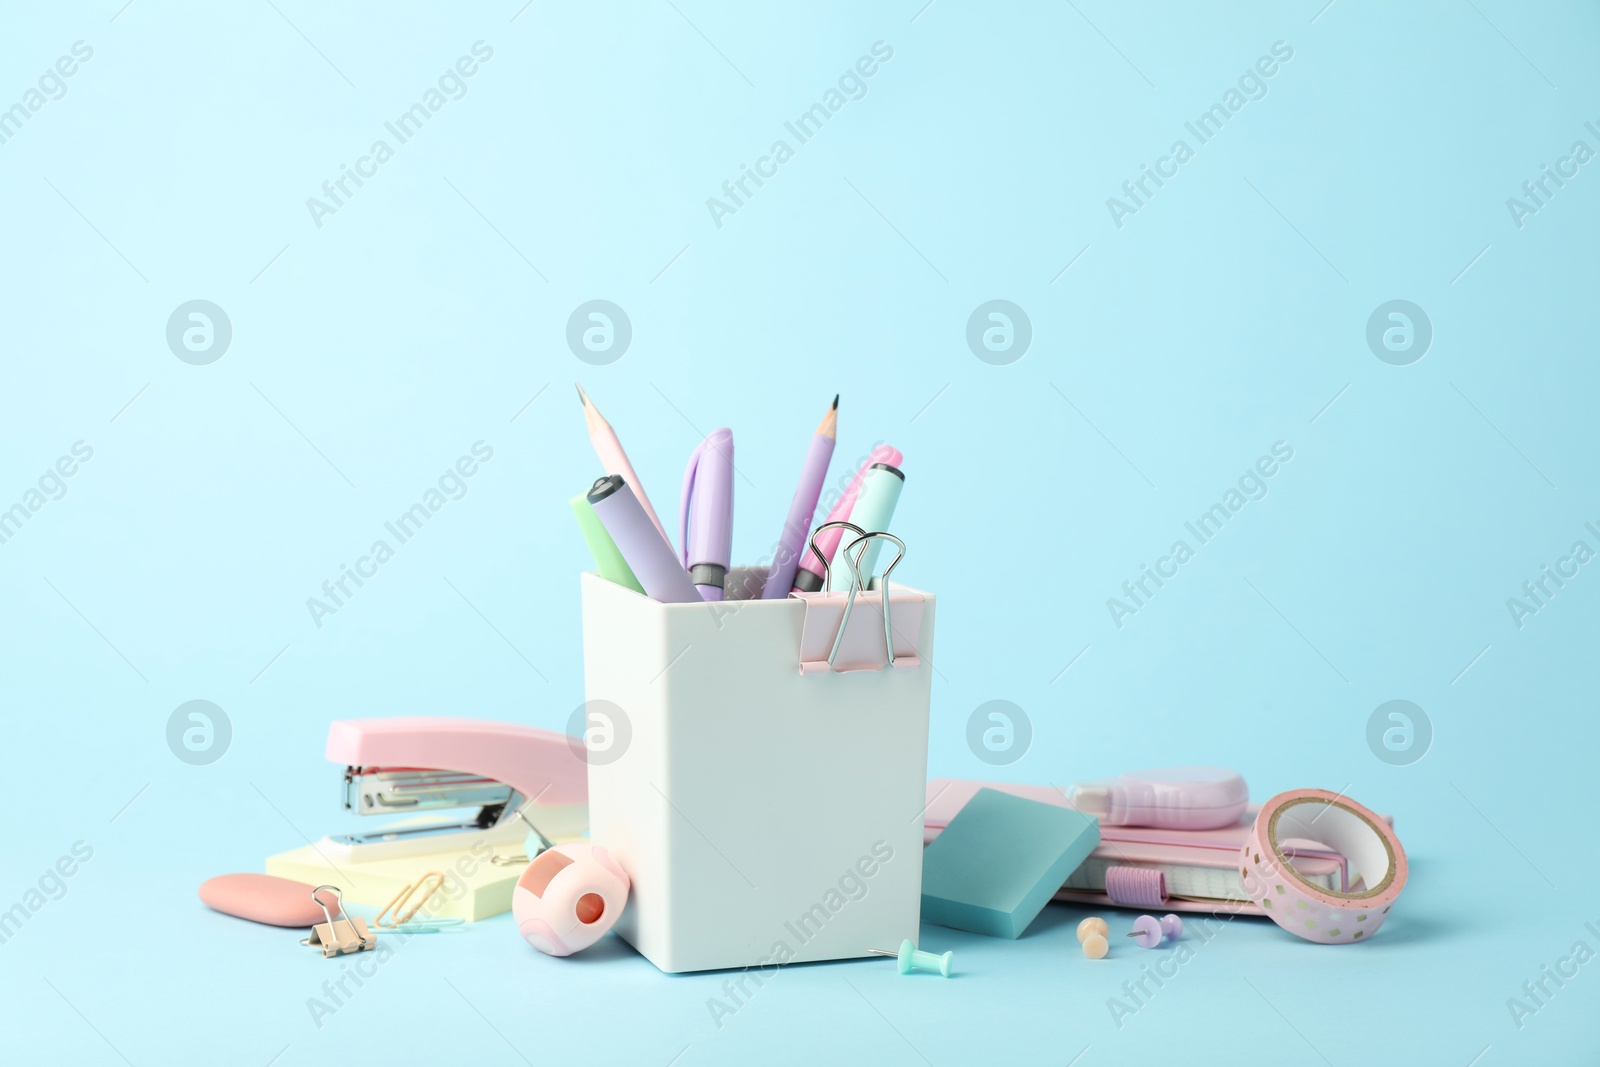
[999, 862]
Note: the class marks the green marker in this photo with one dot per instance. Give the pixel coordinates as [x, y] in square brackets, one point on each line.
[607, 560]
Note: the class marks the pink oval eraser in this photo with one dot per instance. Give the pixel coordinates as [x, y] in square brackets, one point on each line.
[262, 898]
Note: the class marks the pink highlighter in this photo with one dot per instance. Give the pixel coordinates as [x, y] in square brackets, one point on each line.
[1171, 798]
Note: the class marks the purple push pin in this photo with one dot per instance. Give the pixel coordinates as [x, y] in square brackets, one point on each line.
[1148, 932]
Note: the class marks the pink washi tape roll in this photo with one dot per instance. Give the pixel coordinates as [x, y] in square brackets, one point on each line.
[1375, 866]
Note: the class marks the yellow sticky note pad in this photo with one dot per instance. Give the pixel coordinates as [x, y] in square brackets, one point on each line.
[473, 889]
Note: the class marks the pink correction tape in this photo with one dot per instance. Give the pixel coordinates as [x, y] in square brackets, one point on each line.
[568, 898]
[1173, 798]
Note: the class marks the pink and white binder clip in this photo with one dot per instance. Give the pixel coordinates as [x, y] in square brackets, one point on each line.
[838, 636]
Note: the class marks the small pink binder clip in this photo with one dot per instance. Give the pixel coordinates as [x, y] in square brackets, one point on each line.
[341, 934]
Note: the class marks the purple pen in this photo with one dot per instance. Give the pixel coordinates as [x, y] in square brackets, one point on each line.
[705, 513]
[647, 552]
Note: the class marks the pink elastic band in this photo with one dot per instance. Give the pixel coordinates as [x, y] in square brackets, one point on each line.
[1138, 887]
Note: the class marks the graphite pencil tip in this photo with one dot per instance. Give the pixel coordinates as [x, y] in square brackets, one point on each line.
[829, 426]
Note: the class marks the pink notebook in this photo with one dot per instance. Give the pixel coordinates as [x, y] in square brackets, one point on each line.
[1138, 867]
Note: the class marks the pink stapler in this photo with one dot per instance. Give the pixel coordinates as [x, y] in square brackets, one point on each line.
[517, 778]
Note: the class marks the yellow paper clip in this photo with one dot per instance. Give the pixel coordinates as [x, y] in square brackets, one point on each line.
[432, 880]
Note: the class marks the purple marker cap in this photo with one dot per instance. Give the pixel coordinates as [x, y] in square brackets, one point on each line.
[705, 513]
[642, 545]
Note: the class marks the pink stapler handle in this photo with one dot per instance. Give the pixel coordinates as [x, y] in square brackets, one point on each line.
[539, 764]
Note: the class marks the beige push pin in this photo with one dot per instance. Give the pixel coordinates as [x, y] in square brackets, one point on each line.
[341, 935]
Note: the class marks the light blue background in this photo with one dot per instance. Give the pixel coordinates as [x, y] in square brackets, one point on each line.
[429, 313]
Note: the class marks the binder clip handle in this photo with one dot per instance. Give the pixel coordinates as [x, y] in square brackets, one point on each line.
[823, 561]
[855, 564]
[858, 584]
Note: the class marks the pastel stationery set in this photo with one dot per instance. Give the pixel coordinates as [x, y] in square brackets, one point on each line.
[753, 746]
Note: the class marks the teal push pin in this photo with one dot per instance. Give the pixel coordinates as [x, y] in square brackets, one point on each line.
[911, 959]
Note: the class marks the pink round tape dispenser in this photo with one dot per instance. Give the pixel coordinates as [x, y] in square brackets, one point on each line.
[1172, 798]
[569, 896]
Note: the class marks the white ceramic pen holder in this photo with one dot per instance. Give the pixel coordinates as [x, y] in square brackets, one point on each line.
[765, 816]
